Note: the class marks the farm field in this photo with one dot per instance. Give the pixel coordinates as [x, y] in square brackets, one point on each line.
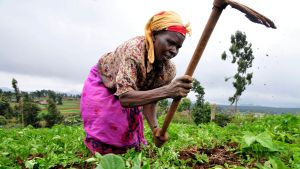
[268, 142]
[68, 107]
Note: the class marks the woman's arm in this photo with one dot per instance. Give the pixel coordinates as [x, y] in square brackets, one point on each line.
[138, 98]
[150, 115]
[178, 88]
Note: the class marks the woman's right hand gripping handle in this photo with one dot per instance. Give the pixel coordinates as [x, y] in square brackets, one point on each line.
[180, 87]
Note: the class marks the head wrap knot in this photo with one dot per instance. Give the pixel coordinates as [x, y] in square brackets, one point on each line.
[166, 20]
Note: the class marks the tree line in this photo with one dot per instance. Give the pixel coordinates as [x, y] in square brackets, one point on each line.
[23, 107]
[37, 95]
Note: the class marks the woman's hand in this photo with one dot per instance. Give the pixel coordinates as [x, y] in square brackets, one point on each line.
[180, 87]
[159, 140]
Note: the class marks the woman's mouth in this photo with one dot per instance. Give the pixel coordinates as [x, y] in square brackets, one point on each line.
[168, 57]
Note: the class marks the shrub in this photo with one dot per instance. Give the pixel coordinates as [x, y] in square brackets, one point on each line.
[3, 121]
[184, 117]
[5, 109]
[72, 120]
[31, 111]
[201, 109]
[184, 105]
[201, 113]
[162, 107]
[54, 116]
[222, 119]
[240, 118]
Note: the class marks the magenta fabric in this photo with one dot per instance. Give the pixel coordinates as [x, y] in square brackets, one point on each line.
[105, 120]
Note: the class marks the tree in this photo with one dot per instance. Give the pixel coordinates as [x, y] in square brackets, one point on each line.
[5, 108]
[3, 120]
[7, 95]
[201, 109]
[242, 55]
[162, 106]
[52, 95]
[30, 110]
[59, 100]
[184, 105]
[16, 88]
[54, 116]
[19, 99]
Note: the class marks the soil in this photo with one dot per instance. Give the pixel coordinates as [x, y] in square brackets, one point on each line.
[220, 155]
[217, 156]
[83, 165]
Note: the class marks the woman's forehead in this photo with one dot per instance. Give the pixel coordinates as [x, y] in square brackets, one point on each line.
[174, 35]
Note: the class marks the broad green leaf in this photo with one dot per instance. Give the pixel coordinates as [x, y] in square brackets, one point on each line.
[57, 137]
[111, 161]
[266, 141]
[89, 160]
[277, 163]
[137, 161]
[98, 155]
[260, 166]
[30, 164]
[5, 153]
[249, 138]
[146, 165]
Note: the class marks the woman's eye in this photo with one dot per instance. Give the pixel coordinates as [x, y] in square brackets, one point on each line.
[171, 42]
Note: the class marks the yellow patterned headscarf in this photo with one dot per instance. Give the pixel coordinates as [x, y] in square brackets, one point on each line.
[166, 20]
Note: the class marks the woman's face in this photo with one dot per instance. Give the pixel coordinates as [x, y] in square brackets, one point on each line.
[167, 44]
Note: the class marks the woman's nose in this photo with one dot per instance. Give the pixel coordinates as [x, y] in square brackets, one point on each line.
[174, 50]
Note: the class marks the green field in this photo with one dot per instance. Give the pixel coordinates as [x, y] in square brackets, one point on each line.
[68, 107]
[272, 141]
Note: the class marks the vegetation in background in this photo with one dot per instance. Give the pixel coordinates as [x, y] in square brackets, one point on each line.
[242, 55]
[3, 121]
[53, 116]
[184, 105]
[33, 108]
[162, 107]
[19, 101]
[30, 111]
[5, 108]
[201, 109]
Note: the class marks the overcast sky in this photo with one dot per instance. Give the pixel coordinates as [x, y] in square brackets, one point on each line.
[52, 44]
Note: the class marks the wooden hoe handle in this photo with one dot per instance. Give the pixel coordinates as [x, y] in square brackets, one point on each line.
[218, 7]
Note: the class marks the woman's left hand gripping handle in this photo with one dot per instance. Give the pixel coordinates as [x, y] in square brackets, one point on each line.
[158, 139]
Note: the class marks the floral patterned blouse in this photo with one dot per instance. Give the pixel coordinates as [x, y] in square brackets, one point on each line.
[127, 68]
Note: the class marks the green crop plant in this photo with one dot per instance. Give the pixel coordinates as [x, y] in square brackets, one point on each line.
[259, 146]
[267, 142]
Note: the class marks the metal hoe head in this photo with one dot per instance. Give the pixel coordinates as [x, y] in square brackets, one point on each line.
[251, 14]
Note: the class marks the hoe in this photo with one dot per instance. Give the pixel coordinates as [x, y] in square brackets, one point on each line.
[218, 7]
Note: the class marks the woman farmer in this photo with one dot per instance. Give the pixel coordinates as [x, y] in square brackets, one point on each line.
[130, 80]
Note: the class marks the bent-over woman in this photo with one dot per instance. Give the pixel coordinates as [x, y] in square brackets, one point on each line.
[125, 84]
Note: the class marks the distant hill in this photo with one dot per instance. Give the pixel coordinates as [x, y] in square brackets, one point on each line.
[260, 109]
[73, 92]
[6, 89]
[69, 93]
